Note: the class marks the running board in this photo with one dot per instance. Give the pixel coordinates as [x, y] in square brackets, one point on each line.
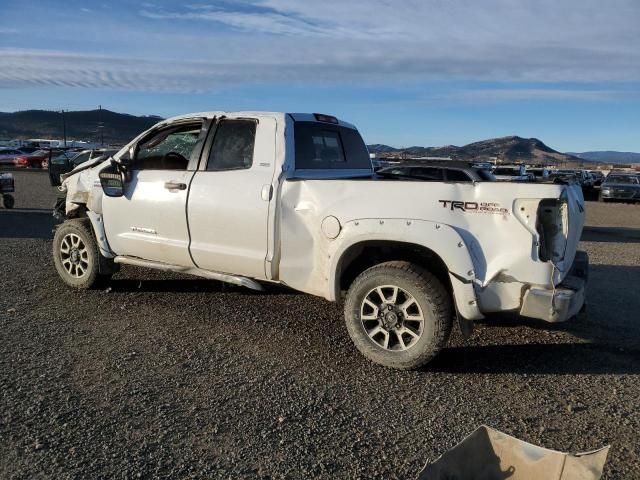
[198, 272]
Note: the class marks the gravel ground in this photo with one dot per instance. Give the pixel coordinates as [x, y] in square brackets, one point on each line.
[169, 376]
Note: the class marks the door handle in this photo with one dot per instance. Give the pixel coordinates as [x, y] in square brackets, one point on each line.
[175, 186]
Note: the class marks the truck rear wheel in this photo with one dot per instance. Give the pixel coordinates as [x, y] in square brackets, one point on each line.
[76, 255]
[398, 315]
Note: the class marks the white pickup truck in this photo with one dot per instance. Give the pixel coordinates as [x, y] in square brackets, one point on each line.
[255, 197]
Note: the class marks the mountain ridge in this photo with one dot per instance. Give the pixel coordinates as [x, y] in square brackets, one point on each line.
[608, 156]
[119, 128]
[91, 125]
[508, 149]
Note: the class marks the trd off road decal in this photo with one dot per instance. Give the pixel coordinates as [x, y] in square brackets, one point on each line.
[474, 207]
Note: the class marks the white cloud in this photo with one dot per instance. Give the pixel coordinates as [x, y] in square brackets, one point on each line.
[259, 22]
[371, 42]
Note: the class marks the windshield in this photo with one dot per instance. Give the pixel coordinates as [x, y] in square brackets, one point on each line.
[623, 179]
[61, 158]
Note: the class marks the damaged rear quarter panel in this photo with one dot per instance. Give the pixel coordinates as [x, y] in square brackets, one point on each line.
[497, 247]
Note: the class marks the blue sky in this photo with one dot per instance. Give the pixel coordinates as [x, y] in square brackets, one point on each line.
[407, 72]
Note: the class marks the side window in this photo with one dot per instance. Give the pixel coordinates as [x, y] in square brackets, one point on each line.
[457, 176]
[233, 144]
[169, 149]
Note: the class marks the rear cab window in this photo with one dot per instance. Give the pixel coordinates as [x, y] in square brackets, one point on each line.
[327, 146]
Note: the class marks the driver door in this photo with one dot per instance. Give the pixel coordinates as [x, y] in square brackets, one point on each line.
[149, 221]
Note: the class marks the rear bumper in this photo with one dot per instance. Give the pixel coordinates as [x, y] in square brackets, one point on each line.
[563, 302]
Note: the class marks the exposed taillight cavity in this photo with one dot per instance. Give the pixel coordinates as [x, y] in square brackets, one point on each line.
[552, 226]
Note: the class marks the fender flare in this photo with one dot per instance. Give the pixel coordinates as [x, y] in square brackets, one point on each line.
[101, 237]
[440, 238]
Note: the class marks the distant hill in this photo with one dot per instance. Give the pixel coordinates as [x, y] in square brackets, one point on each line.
[380, 148]
[609, 156]
[81, 125]
[507, 149]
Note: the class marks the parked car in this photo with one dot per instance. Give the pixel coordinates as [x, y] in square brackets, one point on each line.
[8, 155]
[439, 172]
[64, 161]
[540, 174]
[582, 177]
[36, 159]
[28, 148]
[7, 187]
[620, 186]
[598, 177]
[250, 198]
[511, 173]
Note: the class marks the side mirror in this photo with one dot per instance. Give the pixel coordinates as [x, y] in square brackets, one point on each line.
[112, 181]
[124, 163]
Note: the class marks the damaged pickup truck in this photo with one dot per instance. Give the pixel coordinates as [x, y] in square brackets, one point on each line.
[250, 198]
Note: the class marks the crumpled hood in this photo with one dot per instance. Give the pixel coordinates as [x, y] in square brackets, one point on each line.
[82, 167]
[82, 186]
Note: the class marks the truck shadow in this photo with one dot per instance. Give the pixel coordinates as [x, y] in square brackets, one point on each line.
[26, 223]
[555, 358]
[611, 234]
[607, 338]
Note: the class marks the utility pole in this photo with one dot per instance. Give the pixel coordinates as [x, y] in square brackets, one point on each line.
[64, 129]
[101, 125]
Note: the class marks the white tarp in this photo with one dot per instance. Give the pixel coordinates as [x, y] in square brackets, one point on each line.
[488, 454]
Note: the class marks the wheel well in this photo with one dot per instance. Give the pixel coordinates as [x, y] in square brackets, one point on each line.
[79, 212]
[362, 256]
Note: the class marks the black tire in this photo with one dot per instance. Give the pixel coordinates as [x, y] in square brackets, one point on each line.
[8, 201]
[428, 294]
[86, 258]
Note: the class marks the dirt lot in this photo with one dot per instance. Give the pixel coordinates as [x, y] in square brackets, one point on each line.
[169, 376]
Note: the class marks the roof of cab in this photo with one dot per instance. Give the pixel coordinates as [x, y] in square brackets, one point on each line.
[298, 117]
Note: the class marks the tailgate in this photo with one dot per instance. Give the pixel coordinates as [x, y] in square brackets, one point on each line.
[575, 221]
[560, 227]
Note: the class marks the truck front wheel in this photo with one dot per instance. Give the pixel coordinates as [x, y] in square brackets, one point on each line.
[7, 200]
[76, 255]
[398, 315]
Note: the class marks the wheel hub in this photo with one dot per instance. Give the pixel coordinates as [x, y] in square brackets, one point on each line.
[391, 319]
[74, 255]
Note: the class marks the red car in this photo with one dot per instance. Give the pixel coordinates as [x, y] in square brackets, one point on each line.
[37, 159]
[8, 155]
